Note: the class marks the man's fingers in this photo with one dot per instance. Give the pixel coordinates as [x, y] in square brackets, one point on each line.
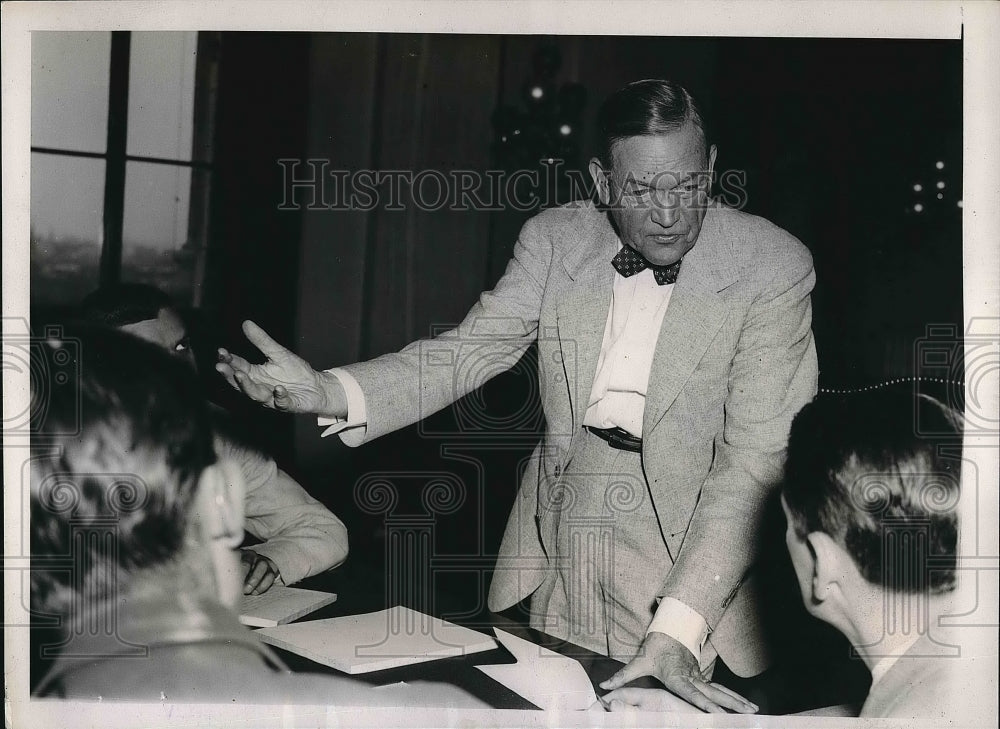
[266, 581]
[234, 361]
[696, 698]
[632, 671]
[228, 373]
[282, 400]
[229, 364]
[646, 699]
[630, 695]
[735, 695]
[253, 390]
[684, 687]
[262, 341]
[725, 698]
[256, 575]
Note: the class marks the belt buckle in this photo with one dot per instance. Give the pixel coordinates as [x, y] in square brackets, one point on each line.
[621, 439]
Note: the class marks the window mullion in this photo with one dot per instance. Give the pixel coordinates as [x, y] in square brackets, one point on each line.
[114, 177]
[206, 84]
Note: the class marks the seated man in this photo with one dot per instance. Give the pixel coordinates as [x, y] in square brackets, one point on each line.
[871, 501]
[871, 498]
[300, 537]
[134, 525]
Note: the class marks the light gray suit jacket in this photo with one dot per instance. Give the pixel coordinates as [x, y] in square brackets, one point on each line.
[734, 362]
[928, 683]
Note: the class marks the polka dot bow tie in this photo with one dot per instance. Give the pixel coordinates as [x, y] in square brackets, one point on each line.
[628, 263]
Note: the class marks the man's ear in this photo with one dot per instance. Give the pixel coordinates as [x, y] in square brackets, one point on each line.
[712, 152]
[219, 505]
[828, 565]
[600, 178]
[218, 524]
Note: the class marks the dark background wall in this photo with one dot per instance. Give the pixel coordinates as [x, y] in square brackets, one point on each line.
[832, 136]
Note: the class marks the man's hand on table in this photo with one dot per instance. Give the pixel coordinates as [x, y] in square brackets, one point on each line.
[285, 381]
[259, 572]
[674, 665]
[646, 699]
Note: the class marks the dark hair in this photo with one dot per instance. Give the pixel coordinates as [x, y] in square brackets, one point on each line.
[645, 108]
[871, 471]
[124, 303]
[117, 449]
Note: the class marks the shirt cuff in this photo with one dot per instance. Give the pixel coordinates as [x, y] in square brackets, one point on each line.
[681, 623]
[352, 428]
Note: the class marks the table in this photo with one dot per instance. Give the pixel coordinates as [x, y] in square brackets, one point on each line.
[780, 690]
[798, 682]
[459, 671]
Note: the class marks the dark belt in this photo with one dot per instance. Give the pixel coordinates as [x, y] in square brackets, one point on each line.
[618, 438]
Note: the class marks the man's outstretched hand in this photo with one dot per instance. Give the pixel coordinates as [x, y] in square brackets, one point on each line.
[669, 661]
[284, 381]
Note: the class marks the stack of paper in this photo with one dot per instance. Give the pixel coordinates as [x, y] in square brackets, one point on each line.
[376, 641]
[281, 605]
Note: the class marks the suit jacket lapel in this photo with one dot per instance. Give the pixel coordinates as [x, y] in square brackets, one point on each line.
[583, 311]
[694, 315]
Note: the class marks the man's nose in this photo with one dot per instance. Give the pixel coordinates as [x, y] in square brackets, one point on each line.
[665, 213]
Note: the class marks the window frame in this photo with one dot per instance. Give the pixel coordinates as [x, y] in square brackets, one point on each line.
[116, 158]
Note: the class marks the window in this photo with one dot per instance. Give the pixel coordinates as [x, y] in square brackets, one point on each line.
[121, 132]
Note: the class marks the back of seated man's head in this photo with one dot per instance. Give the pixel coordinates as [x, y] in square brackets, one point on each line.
[123, 447]
[874, 477]
[141, 310]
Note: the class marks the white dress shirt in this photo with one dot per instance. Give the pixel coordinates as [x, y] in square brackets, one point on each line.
[889, 660]
[617, 398]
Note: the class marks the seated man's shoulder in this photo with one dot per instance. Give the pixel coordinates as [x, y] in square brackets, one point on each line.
[927, 697]
[567, 221]
[759, 242]
[917, 687]
[232, 441]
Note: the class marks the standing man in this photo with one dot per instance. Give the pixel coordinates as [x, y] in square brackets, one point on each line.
[674, 348]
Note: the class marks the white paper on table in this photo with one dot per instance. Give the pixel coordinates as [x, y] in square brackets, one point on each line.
[376, 641]
[281, 605]
[547, 679]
